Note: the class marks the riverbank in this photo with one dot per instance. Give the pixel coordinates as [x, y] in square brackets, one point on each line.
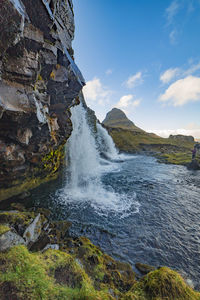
[40, 260]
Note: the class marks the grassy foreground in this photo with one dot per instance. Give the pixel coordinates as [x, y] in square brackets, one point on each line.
[85, 274]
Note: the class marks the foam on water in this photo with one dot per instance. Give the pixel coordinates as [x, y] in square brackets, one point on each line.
[84, 182]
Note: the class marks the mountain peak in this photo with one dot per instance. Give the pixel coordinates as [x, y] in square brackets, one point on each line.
[116, 118]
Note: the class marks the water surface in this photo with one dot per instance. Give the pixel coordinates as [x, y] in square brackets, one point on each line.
[141, 211]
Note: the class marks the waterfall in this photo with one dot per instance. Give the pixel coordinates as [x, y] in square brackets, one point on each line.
[105, 143]
[83, 154]
[84, 185]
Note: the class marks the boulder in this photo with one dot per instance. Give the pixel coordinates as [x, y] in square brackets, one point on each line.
[33, 231]
[194, 165]
[10, 239]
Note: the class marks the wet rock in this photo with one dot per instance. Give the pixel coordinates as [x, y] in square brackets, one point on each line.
[51, 246]
[39, 82]
[42, 242]
[194, 165]
[10, 239]
[144, 268]
[33, 231]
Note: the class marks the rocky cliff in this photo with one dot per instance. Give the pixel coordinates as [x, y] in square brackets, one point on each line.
[39, 82]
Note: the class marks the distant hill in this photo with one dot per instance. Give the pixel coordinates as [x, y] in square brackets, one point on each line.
[131, 139]
[116, 118]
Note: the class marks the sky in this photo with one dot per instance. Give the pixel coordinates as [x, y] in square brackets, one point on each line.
[144, 58]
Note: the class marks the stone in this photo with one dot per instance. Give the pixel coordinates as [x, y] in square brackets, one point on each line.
[33, 231]
[194, 165]
[10, 239]
[144, 268]
[51, 246]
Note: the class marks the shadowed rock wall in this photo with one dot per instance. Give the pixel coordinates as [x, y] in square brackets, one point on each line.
[39, 82]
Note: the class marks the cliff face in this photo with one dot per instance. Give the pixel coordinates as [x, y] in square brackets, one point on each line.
[39, 82]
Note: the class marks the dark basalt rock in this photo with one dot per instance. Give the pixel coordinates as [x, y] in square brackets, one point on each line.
[194, 165]
[39, 82]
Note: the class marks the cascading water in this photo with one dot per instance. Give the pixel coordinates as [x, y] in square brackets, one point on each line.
[105, 144]
[84, 176]
[83, 155]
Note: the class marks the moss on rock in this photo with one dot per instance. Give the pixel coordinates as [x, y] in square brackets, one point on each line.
[4, 229]
[162, 284]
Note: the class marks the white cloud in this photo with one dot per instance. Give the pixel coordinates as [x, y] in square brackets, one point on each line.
[136, 103]
[109, 72]
[94, 91]
[172, 11]
[184, 131]
[182, 91]
[134, 80]
[127, 101]
[124, 101]
[173, 37]
[192, 69]
[169, 74]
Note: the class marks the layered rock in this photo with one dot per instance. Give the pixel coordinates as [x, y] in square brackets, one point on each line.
[39, 82]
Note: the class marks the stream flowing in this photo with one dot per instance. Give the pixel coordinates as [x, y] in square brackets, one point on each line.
[133, 207]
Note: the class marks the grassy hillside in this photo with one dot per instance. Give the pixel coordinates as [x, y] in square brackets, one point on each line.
[131, 139]
[169, 150]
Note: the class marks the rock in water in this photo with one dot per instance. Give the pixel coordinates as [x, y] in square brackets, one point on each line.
[39, 82]
[194, 165]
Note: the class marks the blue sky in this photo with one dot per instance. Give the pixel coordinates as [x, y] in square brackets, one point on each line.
[144, 58]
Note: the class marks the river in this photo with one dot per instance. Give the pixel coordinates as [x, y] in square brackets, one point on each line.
[133, 207]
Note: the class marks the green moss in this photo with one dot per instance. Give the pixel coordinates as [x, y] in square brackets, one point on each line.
[4, 229]
[58, 275]
[12, 218]
[33, 276]
[177, 158]
[53, 160]
[19, 187]
[162, 284]
[50, 165]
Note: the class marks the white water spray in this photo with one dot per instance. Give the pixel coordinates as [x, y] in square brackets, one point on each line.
[105, 143]
[85, 171]
[83, 155]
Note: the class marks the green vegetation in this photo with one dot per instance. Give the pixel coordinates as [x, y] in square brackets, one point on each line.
[51, 275]
[12, 218]
[162, 284]
[53, 160]
[20, 187]
[56, 274]
[181, 158]
[169, 150]
[4, 229]
[50, 164]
